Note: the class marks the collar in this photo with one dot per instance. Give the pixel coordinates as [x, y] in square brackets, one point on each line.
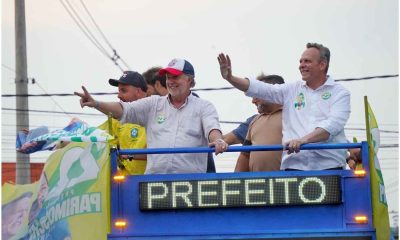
[329, 82]
[184, 104]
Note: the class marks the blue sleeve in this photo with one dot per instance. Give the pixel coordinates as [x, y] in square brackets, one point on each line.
[241, 131]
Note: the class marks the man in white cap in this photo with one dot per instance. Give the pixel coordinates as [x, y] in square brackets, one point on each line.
[157, 85]
[176, 120]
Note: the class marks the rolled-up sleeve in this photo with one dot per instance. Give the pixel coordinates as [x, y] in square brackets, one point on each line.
[273, 93]
[241, 131]
[338, 115]
[209, 118]
[137, 111]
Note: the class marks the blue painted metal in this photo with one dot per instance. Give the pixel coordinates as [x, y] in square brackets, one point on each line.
[309, 146]
[278, 222]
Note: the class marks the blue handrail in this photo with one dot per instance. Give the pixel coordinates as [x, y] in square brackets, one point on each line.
[309, 146]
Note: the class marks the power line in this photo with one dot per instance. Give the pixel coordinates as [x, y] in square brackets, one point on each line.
[58, 105]
[366, 78]
[389, 145]
[86, 31]
[46, 111]
[196, 89]
[54, 94]
[34, 81]
[7, 67]
[95, 24]
[363, 129]
[96, 44]
[103, 35]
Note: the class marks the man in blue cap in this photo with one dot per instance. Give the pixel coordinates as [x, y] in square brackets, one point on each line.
[131, 87]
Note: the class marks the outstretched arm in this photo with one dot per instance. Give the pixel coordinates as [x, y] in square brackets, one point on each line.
[87, 100]
[226, 72]
[231, 139]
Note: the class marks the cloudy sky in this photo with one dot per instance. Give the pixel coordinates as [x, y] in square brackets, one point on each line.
[259, 35]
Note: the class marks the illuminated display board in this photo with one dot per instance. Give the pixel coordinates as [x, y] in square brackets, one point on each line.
[243, 192]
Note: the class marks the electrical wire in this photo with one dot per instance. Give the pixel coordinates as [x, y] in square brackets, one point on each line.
[55, 102]
[86, 31]
[46, 111]
[366, 78]
[54, 94]
[195, 89]
[103, 35]
[7, 67]
[100, 48]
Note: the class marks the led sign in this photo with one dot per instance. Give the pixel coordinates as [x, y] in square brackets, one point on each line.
[243, 192]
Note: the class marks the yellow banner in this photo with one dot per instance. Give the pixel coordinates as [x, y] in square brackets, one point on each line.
[379, 204]
[70, 201]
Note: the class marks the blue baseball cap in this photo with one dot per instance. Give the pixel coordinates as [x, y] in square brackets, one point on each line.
[130, 78]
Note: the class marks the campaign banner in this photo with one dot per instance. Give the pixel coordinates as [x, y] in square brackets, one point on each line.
[70, 201]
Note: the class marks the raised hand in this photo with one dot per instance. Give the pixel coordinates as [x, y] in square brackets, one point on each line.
[86, 99]
[225, 66]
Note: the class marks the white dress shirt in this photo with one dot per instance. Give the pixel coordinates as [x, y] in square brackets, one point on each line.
[304, 110]
[169, 127]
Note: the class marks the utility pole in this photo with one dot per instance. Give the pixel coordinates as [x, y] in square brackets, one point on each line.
[23, 168]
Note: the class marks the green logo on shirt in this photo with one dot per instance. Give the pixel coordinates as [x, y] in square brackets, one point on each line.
[134, 132]
[160, 119]
[326, 95]
[300, 102]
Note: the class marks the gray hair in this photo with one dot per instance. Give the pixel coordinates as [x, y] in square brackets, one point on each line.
[193, 81]
[324, 53]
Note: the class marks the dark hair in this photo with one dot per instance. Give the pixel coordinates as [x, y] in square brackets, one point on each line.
[151, 76]
[272, 79]
[324, 53]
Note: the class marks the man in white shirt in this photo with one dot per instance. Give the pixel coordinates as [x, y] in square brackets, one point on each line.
[314, 110]
[176, 120]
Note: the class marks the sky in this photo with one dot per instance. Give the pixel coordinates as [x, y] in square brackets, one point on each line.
[259, 35]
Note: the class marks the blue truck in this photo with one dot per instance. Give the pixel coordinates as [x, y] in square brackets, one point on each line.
[330, 204]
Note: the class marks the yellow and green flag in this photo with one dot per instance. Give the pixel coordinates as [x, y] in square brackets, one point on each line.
[379, 204]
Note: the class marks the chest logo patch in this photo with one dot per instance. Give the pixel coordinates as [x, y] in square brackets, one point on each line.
[300, 101]
[326, 95]
[134, 133]
[160, 119]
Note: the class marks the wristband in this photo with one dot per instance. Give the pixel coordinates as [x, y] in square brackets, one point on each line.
[97, 104]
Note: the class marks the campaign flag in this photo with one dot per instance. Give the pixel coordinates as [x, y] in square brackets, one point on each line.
[71, 199]
[379, 204]
[41, 139]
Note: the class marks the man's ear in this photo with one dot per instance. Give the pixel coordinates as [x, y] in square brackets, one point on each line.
[323, 65]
